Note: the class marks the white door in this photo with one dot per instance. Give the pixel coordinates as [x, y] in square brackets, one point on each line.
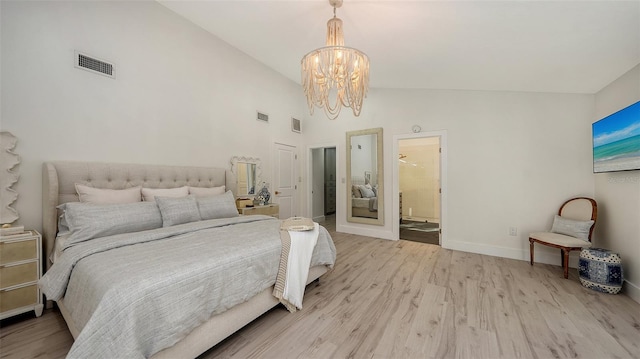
[284, 179]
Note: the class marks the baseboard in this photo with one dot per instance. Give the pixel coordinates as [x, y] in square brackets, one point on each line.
[541, 254]
[319, 219]
[362, 231]
[631, 290]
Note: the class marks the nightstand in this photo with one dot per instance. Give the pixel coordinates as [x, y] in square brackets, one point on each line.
[271, 209]
[20, 269]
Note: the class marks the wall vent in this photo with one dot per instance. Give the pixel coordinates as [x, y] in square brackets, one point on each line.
[92, 64]
[262, 117]
[295, 125]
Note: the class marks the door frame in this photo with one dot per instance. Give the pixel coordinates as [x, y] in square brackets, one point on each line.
[309, 187]
[395, 225]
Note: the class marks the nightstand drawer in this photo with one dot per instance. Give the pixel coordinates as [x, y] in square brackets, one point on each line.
[272, 210]
[18, 251]
[17, 274]
[18, 297]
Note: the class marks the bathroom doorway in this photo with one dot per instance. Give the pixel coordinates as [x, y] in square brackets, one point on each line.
[419, 175]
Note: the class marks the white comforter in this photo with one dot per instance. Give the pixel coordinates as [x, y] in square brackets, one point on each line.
[133, 295]
[370, 203]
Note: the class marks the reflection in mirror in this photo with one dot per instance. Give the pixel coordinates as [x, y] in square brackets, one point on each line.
[247, 171]
[365, 177]
[246, 178]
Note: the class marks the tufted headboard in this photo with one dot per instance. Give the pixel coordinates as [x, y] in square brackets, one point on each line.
[59, 179]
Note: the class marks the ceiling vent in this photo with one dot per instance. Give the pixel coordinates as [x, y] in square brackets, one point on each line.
[262, 117]
[92, 64]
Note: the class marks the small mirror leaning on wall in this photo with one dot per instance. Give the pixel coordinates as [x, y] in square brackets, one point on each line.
[365, 189]
[248, 172]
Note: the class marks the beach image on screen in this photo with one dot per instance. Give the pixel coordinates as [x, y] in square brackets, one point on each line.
[616, 141]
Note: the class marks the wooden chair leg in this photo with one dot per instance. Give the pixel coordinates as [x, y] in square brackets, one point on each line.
[565, 258]
[531, 250]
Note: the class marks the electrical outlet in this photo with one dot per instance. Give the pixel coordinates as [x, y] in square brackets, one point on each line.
[513, 231]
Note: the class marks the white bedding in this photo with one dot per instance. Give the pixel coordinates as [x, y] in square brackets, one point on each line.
[370, 203]
[360, 202]
[60, 243]
[133, 295]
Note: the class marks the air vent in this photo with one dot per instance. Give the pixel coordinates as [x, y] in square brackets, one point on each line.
[295, 125]
[263, 117]
[94, 65]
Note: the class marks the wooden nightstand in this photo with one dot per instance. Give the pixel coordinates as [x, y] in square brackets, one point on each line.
[20, 269]
[271, 209]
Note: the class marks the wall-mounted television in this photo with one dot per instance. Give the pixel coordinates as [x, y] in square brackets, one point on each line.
[616, 141]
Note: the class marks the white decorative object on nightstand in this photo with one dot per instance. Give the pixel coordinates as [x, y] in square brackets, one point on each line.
[272, 210]
[20, 270]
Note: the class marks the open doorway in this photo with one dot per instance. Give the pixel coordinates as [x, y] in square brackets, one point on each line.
[419, 189]
[323, 183]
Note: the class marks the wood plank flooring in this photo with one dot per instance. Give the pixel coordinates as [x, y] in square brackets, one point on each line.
[404, 299]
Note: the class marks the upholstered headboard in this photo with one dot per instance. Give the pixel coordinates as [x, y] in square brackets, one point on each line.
[357, 180]
[59, 179]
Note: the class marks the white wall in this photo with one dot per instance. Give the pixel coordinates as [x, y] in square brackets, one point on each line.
[181, 96]
[618, 193]
[363, 156]
[513, 158]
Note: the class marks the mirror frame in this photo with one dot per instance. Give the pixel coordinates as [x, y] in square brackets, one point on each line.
[243, 159]
[380, 168]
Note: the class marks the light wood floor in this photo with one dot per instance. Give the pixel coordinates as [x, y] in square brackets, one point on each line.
[412, 300]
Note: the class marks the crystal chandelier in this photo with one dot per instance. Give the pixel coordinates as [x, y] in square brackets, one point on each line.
[335, 71]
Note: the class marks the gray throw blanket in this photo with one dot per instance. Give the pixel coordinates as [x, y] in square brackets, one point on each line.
[373, 204]
[132, 295]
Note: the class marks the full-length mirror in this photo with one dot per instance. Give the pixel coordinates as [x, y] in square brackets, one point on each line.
[247, 171]
[365, 177]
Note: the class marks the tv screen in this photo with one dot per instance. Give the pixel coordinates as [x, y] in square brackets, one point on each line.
[616, 141]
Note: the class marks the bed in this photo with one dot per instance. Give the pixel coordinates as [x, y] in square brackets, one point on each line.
[363, 205]
[158, 255]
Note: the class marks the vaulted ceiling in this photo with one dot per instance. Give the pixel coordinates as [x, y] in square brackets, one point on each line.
[542, 46]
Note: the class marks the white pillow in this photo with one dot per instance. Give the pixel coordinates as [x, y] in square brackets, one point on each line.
[149, 194]
[366, 192]
[108, 196]
[572, 227]
[206, 191]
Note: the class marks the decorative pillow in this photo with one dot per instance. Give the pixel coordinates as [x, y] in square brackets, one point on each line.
[88, 221]
[206, 191]
[355, 191]
[149, 194]
[366, 192]
[178, 210]
[108, 196]
[220, 206]
[571, 227]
